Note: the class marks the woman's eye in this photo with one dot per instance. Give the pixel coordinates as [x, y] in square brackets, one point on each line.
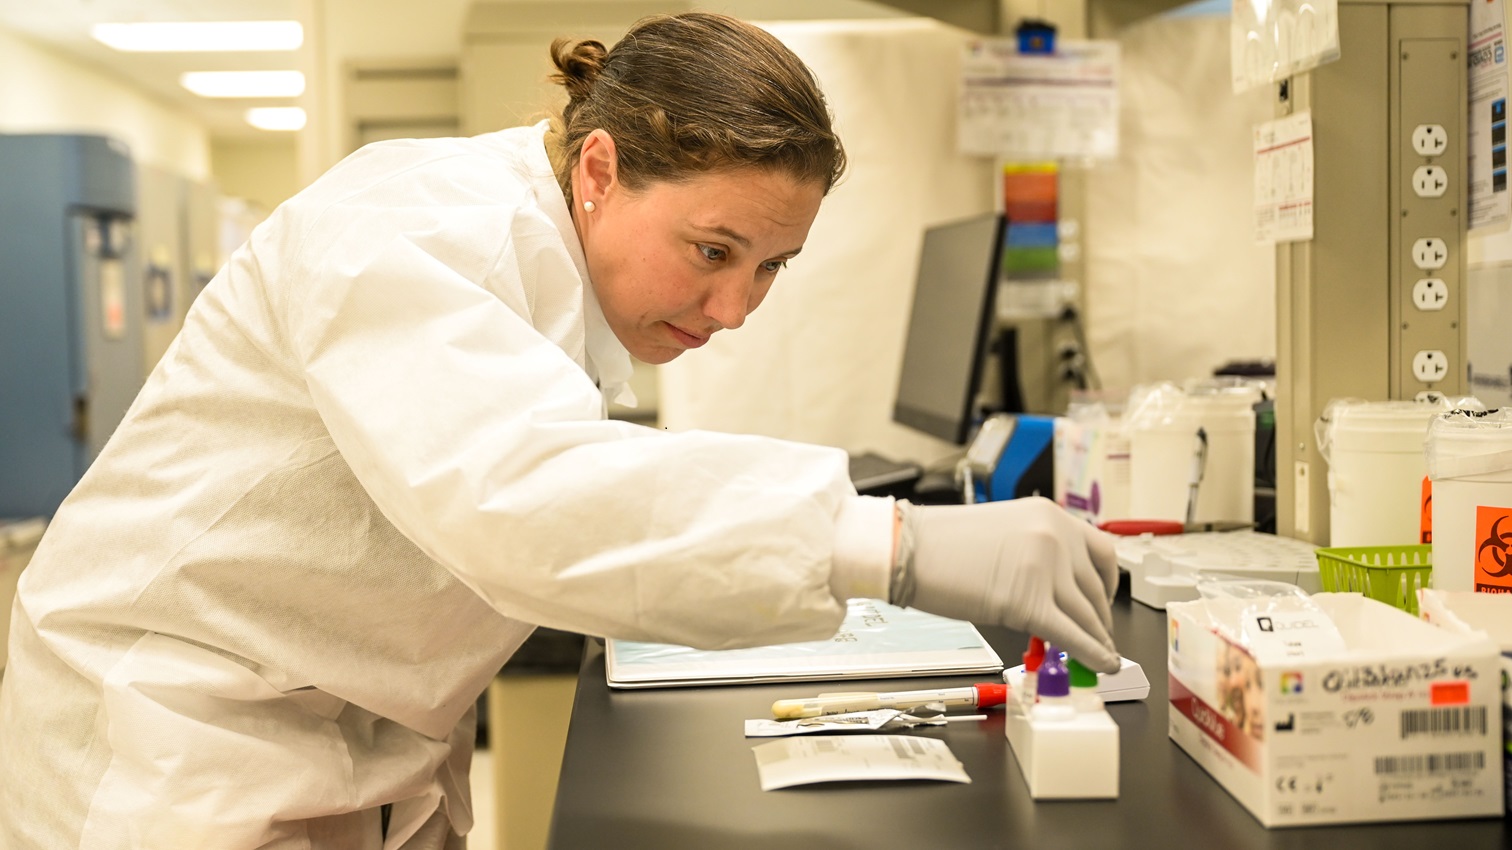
[711, 253]
[773, 266]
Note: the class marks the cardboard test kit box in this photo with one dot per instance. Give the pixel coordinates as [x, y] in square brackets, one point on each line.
[1399, 725]
[1463, 611]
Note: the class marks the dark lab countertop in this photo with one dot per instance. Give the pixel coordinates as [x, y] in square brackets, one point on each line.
[669, 769]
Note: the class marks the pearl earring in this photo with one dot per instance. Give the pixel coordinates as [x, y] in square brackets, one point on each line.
[588, 206]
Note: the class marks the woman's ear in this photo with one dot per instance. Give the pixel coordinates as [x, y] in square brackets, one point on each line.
[597, 169]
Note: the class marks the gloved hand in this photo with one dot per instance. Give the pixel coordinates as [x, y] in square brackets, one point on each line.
[1025, 564]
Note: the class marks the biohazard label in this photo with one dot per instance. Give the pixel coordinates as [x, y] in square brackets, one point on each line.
[1425, 515]
[1493, 562]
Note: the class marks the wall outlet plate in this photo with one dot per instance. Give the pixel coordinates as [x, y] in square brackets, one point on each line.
[1429, 139]
[1430, 366]
[1430, 253]
[1430, 293]
[1430, 181]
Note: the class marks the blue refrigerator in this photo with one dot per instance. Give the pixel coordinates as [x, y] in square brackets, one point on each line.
[71, 311]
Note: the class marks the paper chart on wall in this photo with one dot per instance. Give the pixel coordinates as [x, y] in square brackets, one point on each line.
[1039, 106]
[1284, 179]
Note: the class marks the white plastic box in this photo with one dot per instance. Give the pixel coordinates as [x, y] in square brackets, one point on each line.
[1071, 759]
[1165, 568]
[1401, 726]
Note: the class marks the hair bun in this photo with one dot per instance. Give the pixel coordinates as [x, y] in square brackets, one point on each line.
[579, 64]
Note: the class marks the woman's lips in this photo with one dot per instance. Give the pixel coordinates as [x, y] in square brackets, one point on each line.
[688, 340]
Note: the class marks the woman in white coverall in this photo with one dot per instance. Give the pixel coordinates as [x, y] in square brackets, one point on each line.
[376, 457]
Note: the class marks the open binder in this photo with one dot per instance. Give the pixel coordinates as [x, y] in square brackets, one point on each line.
[876, 640]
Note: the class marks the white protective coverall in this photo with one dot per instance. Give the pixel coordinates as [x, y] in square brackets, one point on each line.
[374, 456]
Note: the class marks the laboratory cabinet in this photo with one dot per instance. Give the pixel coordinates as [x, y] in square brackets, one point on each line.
[71, 310]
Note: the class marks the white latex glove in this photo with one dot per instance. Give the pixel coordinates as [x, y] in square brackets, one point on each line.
[1025, 564]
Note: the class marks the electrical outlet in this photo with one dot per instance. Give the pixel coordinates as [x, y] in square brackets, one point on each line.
[1429, 139]
[1430, 293]
[1430, 253]
[1430, 366]
[1430, 181]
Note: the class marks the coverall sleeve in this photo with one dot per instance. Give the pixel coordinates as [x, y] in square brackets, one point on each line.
[484, 442]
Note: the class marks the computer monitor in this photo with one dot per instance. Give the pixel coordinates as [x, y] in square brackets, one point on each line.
[950, 328]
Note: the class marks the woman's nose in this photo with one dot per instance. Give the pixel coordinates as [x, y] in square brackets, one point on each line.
[729, 302]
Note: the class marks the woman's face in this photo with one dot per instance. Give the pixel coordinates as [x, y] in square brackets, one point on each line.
[674, 263]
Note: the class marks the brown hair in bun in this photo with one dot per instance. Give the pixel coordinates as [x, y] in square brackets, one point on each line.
[692, 93]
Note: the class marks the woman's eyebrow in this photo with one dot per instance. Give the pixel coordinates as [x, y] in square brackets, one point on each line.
[740, 240]
[725, 232]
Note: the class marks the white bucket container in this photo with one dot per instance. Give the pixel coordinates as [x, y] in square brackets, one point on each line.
[1092, 466]
[1376, 464]
[1179, 438]
[1470, 464]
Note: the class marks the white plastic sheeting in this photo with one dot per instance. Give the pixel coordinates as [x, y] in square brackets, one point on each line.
[1175, 284]
[819, 361]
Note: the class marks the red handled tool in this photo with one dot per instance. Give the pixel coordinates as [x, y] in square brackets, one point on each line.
[1136, 527]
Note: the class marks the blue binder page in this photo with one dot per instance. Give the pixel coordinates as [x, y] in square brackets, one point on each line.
[876, 640]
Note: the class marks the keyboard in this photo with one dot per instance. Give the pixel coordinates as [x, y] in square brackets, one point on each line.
[870, 471]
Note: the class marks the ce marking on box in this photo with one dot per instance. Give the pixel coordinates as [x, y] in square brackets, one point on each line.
[1299, 785]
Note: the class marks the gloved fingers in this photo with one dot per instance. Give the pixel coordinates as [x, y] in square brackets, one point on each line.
[1062, 631]
[1102, 549]
[1085, 604]
[1090, 582]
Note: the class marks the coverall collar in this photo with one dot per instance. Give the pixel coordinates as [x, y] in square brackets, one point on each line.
[608, 361]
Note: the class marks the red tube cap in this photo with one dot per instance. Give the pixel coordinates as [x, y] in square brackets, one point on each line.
[989, 694]
[1034, 656]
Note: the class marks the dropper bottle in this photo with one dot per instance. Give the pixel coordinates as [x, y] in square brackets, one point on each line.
[1084, 695]
[1054, 688]
[1034, 656]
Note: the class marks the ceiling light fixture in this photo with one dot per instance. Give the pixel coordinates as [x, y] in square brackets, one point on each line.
[244, 83]
[200, 36]
[276, 118]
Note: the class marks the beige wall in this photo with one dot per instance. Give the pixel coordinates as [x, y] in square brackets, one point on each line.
[1108, 18]
[341, 31]
[261, 170]
[44, 92]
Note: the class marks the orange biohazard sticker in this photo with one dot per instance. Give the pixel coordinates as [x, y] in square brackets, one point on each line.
[1493, 561]
[1425, 515]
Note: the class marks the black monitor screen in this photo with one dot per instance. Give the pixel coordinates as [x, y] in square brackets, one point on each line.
[949, 327]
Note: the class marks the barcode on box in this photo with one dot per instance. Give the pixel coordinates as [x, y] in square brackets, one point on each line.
[1430, 764]
[1463, 720]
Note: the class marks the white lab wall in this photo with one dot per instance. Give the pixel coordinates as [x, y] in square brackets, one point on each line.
[43, 92]
[1175, 284]
[819, 361]
[263, 170]
[1489, 305]
[1488, 247]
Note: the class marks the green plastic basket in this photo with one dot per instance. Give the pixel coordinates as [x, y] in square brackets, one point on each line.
[1390, 574]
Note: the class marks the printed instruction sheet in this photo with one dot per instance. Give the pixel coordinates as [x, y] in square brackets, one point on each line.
[840, 758]
[1489, 207]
